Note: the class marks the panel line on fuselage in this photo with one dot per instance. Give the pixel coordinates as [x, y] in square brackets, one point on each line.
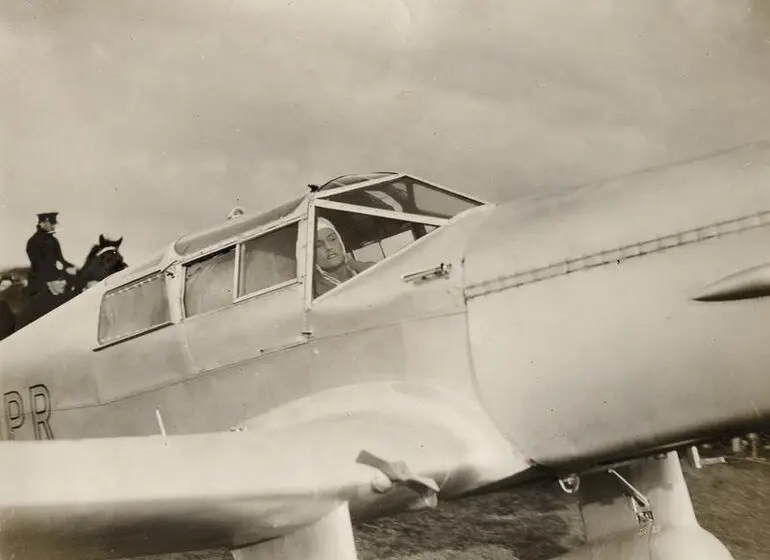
[619, 254]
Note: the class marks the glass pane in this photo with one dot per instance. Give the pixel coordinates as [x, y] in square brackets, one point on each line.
[134, 308]
[347, 180]
[410, 196]
[347, 243]
[209, 283]
[269, 260]
[433, 202]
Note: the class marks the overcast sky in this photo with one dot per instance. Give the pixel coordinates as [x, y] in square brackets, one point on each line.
[149, 119]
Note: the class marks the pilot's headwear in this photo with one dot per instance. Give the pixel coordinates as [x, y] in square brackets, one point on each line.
[323, 223]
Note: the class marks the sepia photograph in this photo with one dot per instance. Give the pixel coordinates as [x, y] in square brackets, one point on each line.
[384, 280]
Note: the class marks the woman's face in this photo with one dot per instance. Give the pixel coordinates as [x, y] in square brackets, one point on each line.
[329, 253]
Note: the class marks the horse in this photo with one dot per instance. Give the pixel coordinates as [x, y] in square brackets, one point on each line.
[103, 260]
[19, 308]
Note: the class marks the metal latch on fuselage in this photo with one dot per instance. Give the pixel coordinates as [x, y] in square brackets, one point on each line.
[441, 271]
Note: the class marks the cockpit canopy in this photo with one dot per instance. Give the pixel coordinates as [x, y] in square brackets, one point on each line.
[397, 193]
[356, 221]
[347, 180]
[374, 216]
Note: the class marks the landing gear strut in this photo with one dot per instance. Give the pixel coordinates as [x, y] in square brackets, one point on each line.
[642, 511]
[330, 538]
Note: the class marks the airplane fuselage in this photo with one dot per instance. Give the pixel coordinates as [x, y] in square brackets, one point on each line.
[571, 320]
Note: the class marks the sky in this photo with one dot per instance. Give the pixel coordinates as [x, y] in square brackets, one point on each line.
[147, 119]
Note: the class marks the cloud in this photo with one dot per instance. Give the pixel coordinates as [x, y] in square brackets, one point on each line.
[149, 119]
[596, 88]
[146, 119]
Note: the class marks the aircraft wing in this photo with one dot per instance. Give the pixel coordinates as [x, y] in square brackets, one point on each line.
[122, 497]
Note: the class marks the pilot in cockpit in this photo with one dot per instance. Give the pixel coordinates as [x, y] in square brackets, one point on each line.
[333, 265]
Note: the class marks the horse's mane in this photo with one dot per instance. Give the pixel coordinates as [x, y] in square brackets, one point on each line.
[91, 254]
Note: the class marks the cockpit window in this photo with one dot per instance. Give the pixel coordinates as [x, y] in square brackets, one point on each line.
[407, 195]
[134, 309]
[348, 243]
[364, 219]
[268, 261]
[209, 282]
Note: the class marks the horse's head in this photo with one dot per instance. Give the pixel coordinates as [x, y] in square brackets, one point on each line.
[103, 260]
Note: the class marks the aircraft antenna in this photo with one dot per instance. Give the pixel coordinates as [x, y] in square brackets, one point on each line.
[160, 423]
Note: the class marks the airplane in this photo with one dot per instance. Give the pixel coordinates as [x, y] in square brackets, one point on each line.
[232, 392]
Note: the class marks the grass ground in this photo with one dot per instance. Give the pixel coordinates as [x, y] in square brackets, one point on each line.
[540, 522]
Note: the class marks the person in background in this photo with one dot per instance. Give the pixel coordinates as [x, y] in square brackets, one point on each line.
[48, 265]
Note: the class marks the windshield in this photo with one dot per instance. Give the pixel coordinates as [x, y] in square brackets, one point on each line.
[407, 195]
[358, 226]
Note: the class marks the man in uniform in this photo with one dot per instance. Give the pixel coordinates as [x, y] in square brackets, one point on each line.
[47, 262]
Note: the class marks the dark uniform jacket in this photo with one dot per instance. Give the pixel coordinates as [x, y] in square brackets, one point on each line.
[44, 252]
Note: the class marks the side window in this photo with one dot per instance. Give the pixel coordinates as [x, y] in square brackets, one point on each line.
[268, 261]
[347, 243]
[134, 308]
[209, 282]
[380, 249]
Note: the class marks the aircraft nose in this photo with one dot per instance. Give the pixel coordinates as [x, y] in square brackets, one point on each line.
[589, 334]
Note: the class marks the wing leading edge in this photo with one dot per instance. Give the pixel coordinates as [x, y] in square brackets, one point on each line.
[124, 497]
